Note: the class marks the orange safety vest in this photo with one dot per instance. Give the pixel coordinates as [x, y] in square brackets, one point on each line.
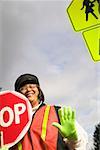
[41, 135]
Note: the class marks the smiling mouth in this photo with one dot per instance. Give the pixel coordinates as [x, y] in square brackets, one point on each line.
[29, 94]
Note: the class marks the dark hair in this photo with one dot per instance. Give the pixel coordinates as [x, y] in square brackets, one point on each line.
[41, 95]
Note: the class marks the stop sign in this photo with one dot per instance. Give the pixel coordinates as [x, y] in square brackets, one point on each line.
[15, 117]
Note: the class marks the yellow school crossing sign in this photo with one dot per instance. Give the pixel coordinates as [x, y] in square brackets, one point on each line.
[92, 38]
[84, 16]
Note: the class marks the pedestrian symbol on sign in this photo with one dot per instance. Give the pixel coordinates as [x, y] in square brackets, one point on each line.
[89, 8]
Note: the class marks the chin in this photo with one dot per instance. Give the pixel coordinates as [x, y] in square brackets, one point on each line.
[30, 99]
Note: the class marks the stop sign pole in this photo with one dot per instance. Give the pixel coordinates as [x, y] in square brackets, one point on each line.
[15, 117]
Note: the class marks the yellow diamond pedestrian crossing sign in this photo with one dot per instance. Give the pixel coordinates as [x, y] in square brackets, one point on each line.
[92, 39]
[84, 14]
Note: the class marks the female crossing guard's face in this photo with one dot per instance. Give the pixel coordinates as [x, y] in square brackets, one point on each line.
[31, 92]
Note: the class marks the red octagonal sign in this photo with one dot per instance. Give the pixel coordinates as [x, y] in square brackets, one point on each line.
[15, 117]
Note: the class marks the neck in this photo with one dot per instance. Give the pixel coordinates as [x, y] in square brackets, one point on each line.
[35, 103]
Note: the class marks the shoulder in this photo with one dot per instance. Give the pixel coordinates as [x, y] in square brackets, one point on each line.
[57, 108]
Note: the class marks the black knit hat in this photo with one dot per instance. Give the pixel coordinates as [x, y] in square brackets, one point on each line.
[27, 79]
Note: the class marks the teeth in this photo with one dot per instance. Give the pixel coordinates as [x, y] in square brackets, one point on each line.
[29, 94]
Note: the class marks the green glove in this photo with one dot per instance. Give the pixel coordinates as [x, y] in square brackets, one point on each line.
[4, 148]
[67, 127]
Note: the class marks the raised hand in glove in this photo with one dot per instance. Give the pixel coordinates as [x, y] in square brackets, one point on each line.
[67, 126]
[4, 148]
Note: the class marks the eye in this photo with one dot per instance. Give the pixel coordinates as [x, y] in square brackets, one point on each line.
[22, 89]
[33, 86]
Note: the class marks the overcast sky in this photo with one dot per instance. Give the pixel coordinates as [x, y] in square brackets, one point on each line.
[37, 37]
